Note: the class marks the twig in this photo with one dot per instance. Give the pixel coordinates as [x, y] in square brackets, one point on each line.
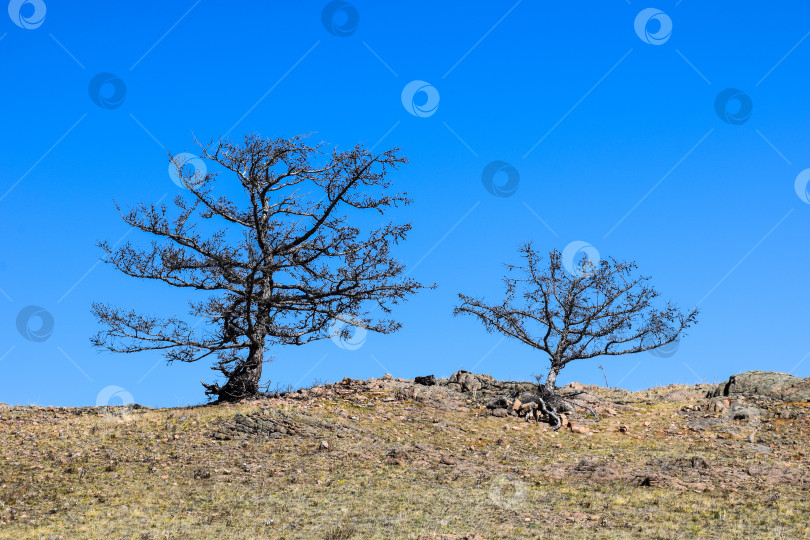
[605, 374]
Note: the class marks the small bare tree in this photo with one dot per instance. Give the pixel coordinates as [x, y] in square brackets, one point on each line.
[597, 309]
[280, 261]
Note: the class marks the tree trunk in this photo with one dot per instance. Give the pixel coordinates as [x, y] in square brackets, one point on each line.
[551, 380]
[244, 380]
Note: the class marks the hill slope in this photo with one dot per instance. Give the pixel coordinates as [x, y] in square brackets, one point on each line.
[386, 458]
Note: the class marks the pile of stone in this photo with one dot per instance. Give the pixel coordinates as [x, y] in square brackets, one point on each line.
[451, 393]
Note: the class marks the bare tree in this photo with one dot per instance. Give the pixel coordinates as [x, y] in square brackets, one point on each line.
[598, 309]
[278, 257]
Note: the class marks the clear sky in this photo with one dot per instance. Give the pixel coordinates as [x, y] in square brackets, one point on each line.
[614, 121]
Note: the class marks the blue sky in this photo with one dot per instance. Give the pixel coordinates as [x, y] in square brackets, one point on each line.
[614, 134]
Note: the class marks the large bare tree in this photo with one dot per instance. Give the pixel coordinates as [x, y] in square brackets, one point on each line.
[275, 251]
[597, 309]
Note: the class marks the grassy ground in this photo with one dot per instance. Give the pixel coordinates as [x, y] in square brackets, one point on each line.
[403, 468]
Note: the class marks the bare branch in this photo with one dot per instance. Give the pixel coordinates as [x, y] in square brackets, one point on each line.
[602, 310]
[282, 266]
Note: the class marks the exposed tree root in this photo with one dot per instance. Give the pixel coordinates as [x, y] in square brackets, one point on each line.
[545, 403]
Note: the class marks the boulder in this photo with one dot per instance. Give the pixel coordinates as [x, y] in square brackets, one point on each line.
[466, 380]
[499, 402]
[578, 428]
[780, 386]
[746, 413]
[428, 380]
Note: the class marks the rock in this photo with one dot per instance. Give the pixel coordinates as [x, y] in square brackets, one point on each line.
[428, 380]
[566, 407]
[467, 381]
[516, 405]
[498, 403]
[746, 413]
[397, 456]
[588, 464]
[760, 449]
[276, 424]
[717, 405]
[781, 386]
[447, 460]
[388, 377]
[651, 480]
[324, 446]
[577, 428]
[500, 413]
[699, 424]
[681, 395]
[694, 462]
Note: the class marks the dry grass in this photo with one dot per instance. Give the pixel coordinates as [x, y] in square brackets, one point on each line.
[70, 473]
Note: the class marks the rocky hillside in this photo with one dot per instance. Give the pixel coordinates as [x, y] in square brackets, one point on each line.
[432, 458]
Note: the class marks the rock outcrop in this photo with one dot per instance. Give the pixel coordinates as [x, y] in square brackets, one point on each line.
[778, 386]
[268, 423]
